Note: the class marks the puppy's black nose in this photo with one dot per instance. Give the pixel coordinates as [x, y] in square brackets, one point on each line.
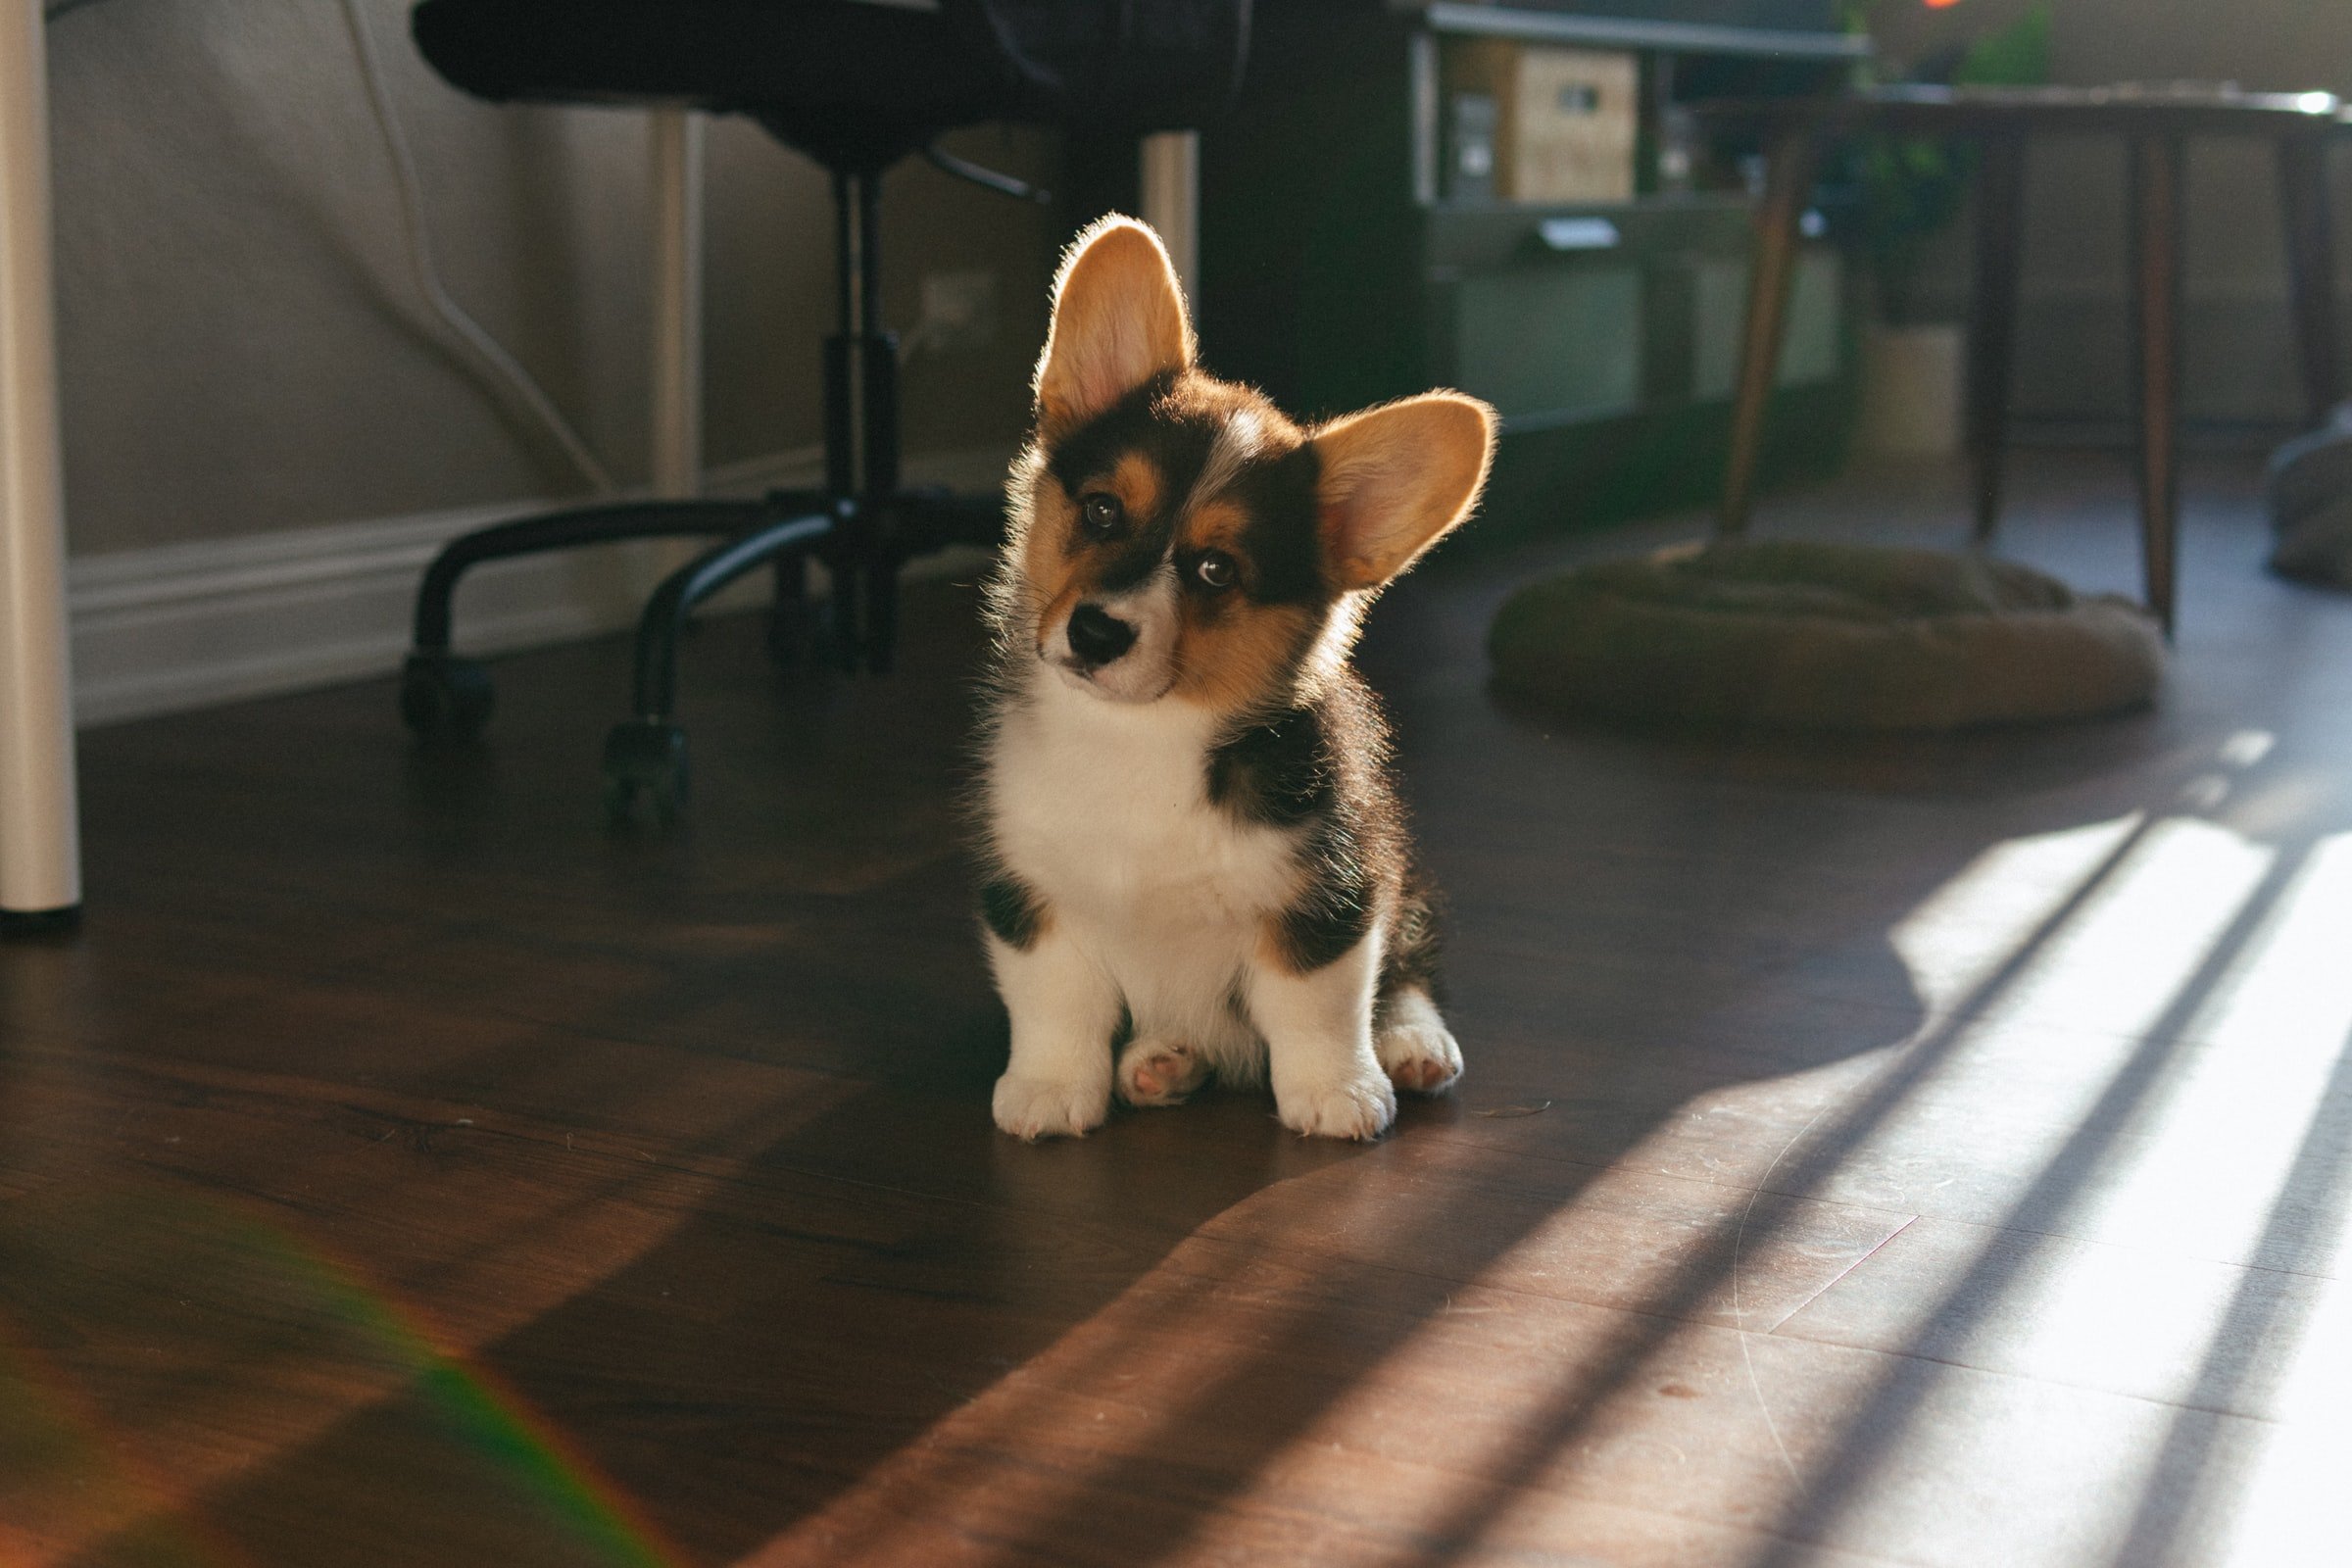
[1098, 637]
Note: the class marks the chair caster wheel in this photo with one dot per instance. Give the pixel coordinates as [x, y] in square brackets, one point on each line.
[443, 697]
[642, 755]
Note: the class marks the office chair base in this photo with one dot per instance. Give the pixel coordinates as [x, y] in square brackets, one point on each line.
[444, 697]
[861, 525]
[648, 757]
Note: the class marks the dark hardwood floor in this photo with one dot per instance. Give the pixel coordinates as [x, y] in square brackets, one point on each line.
[1927, 1151]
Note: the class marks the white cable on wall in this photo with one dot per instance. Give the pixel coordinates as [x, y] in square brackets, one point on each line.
[486, 350]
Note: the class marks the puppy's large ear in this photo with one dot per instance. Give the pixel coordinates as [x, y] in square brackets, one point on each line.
[1118, 320]
[1396, 480]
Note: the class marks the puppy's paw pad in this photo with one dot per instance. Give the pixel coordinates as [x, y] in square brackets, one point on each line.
[1359, 1107]
[1159, 1072]
[1031, 1108]
[1419, 1056]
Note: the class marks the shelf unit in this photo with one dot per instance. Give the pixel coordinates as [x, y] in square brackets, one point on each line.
[1335, 273]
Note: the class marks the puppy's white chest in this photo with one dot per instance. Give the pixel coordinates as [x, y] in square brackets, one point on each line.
[1107, 813]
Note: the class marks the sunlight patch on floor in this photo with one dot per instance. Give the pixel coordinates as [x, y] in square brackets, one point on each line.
[2212, 1049]
[2117, 963]
[2182, 1148]
[2294, 1506]
[2207, 1160]
[1961, 935]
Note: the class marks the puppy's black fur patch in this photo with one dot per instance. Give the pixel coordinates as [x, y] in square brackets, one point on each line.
[1012, 909]
[1323, 767]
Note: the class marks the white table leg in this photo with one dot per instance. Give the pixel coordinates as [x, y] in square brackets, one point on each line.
[677, 154]
[1171, 201]
[40, 872]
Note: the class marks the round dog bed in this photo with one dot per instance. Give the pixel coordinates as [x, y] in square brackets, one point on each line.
[1809, 635]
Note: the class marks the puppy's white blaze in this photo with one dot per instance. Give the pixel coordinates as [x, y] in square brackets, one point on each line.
[1146, 671]
[1239, 439]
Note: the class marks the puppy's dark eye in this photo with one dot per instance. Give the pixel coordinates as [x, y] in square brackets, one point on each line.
[1102, 513]
[1215, 569]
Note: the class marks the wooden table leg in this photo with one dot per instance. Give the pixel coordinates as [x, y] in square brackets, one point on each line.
[2311, 269]
[2156, 361]
[1993, 318]
[1788, 185]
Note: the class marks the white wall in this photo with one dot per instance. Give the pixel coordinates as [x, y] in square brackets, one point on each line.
[244, 348]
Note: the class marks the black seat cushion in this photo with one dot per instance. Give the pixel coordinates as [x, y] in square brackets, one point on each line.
[1135, 64]
[730, 56]
[804, 65]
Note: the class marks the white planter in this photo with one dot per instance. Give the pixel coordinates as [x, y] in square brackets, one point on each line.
[1911, 390]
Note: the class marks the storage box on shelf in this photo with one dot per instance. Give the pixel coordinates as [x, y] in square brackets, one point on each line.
[1564, 120]
[1357, 243]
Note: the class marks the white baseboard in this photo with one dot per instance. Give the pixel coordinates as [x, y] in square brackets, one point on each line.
[189, 625]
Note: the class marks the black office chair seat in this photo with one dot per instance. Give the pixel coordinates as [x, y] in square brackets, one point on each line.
[1159, 65]
[857, 86]
[841, 74]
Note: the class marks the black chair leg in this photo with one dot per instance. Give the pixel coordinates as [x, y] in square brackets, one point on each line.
[843, 610]
[647, 753]
[881, 612]
[445, 697]
[788, 630]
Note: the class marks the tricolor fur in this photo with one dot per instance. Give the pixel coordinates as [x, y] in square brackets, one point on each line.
[1192, 849]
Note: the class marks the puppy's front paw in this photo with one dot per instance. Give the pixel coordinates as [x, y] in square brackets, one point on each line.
[1156, 1071]
[1358, 1105]
[1043, 1107]
[1417, 1050]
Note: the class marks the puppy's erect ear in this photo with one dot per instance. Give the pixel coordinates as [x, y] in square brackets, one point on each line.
[1118, 320]
[1396, 480]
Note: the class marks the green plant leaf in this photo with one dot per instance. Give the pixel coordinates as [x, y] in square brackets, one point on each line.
[2015, 56]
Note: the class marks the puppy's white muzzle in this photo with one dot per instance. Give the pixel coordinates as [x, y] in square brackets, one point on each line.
[1121, 648]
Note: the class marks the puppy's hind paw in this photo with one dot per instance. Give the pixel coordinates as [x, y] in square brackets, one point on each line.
[1358, 1106]
[1031, 1108]
[1154, 1071]
[1416, 1050]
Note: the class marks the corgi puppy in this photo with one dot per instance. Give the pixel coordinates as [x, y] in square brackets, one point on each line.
[1190, 851]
